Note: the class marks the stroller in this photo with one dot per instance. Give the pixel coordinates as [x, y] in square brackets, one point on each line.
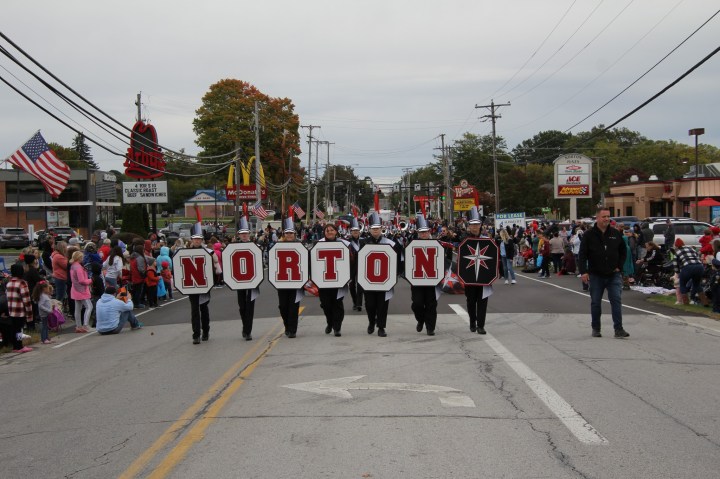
[652, 274]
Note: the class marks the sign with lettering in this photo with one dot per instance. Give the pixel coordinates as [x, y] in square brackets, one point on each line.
[329, 264]
[145, 192]
[193, 270]
[573, 176]
[377, 267]
[509, 219]
[247, 192]
[288, 265]
[242, 265]
[424, 262]
[144, 160]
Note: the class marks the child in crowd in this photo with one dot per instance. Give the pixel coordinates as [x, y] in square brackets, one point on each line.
[42, 295]
[97, 288]
[166, 274]
[151, 283]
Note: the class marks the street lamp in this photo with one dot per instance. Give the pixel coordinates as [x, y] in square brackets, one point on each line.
[696, 132]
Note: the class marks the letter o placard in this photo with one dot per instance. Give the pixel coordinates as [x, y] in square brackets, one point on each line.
[330, 264]
[242, 265]
[377, 267]
[424, 262]
[288, 265]
[193, 271]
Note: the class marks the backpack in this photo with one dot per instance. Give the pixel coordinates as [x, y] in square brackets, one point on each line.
[55, 319]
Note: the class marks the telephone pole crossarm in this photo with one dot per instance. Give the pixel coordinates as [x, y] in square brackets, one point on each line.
[492, 116]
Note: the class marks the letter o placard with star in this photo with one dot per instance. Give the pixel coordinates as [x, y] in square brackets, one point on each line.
[478, 261]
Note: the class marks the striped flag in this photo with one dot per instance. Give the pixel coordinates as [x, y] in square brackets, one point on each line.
[318, 213]
[36, 157]
[258, 210]
[297, 210]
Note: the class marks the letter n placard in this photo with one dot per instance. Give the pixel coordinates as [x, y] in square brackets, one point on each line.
[288, 265]
[377, 267]
[424, 262]
[193, 270]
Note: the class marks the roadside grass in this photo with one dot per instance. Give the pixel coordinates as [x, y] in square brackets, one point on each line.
[669, 301]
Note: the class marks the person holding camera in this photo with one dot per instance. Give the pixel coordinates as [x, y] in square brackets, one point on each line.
[114, 310]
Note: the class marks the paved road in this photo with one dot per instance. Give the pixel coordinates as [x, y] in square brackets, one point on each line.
[537, 397]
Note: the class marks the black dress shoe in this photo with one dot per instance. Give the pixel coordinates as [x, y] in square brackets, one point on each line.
[371, 329]
[481, 331]
[473, 328]
[431, 333]
[359, 308]
[291, 335]
[206, 336]
[287, 333]
[244, 335]
[247, 336]
[196, 340]
[337, 334]
[419, 326]
[328, 329]
[381, 332]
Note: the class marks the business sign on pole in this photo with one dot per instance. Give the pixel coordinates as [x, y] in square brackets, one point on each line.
[509, 219]
[145, 192]
[573, 176]
[466, 196]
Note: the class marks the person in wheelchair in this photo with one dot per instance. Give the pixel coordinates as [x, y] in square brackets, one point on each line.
[651, 265]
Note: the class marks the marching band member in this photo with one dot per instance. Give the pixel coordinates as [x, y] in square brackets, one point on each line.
[476, 296]
[331, 299]
[424, 298]
[246, 297]
[377, 302]
[289, 299]
[199, 303]
[356, 291]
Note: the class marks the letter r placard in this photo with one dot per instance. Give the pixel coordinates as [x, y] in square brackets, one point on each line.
[288, 265]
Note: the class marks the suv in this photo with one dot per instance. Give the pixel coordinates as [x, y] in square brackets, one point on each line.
[688, 231]
[173, 231]
[14, 238]
[62, 233]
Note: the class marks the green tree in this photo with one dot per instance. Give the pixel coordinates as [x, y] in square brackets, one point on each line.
[542, 148]
[472, 160]
[226, 119]
[68, 156]
[83, 152]
[135, 220]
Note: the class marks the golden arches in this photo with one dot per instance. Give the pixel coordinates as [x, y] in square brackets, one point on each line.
[245, 170]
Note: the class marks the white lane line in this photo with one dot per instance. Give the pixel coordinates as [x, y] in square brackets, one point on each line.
[88, 334]
[604, 300]
[577, 424]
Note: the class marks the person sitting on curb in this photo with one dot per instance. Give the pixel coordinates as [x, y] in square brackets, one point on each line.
[113, 312]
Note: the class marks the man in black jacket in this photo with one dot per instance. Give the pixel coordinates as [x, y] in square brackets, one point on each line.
[602, 254]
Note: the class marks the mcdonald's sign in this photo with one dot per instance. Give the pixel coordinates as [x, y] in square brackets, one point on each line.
[248, 191]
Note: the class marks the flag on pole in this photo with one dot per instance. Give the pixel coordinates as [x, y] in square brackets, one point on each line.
[297, 210]
[36, 157]
[197, 229]
[319, 213]
[258, 210]
[376, 201]
[355, 210]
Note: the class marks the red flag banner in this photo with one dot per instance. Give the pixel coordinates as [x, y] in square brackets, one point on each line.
[36, 157]
[376, 202]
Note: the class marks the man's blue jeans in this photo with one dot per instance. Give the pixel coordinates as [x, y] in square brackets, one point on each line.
[125, 317]
[508, 268]
[613, 285]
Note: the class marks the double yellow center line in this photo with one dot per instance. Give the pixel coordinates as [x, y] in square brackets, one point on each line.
[203, 413]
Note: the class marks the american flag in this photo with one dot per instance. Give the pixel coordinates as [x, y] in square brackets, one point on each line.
[319, 213]
[297, 210]
[258, 210]
[36, 158]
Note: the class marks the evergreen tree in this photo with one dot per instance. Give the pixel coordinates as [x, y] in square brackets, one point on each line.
[83, 152]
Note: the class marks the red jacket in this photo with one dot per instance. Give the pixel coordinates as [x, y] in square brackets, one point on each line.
[152, 278]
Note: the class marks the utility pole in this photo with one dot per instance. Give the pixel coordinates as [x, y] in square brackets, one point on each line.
[407, 185]
[139, 106]
[446, 180]
[492, 106]
[317, 154]
[310, 139]
[256, 115]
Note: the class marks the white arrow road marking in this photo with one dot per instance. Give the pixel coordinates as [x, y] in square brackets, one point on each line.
[339, 388]
[577, 424]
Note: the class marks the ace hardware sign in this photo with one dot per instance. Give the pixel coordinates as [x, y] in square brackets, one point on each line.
[573, 176]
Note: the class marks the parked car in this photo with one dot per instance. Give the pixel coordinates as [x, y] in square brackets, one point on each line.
[13, 238]
[688, 231]
[64, 233]
[173, 231]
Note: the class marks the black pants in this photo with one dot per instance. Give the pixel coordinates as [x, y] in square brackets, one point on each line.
[152, 297]
[424, 305]
[247, 309]
[289, 309]
[356, 292]
[332, 307]
[10, 327]
[476, 306]
[199, 316]
[137, 290]
[377, 308]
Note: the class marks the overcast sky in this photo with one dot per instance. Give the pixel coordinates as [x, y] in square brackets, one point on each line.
[383, 78]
